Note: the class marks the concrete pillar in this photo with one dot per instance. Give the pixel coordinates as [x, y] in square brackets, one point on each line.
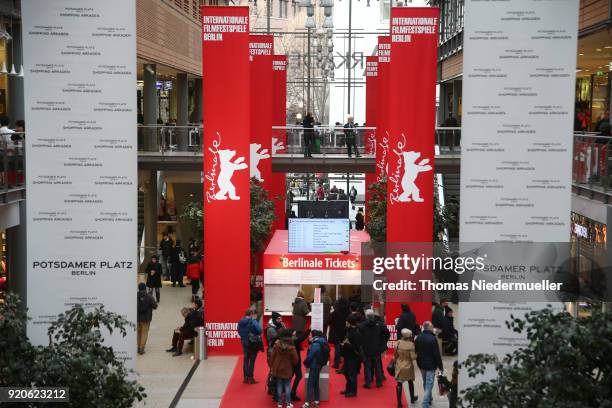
[15, 83]
[182, 110]
[150, 213]
[197, 108]
[16, 245]
[150, 107]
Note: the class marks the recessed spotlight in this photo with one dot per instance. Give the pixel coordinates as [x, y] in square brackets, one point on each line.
[581, 54]
[608, 47]
[598, 50]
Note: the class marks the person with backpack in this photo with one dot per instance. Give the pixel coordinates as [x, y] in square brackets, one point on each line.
[372, 336]
[145, 306]
[275, 325]
[282, 361]
[298, 339]
[317, 358]
[249, 331]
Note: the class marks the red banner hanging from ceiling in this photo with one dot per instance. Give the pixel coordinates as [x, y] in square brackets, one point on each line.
[412, 109]
[278, 188]
[226, 116]
[371, 109]
[382, 110]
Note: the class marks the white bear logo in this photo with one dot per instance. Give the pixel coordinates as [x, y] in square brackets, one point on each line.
[277, 146]
[226, 187]
[411, 171]
[256, 156]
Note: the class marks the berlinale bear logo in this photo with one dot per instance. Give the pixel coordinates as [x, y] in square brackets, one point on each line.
[404, 184]
[256, 156]
[222, 168]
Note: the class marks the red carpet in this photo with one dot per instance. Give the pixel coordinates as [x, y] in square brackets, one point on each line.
[239, 395]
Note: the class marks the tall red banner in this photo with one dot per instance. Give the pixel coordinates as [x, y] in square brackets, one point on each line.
[278, 189]
[412, 105]
[261, 50]
[226, 115]
[371, 119]
[382, 111]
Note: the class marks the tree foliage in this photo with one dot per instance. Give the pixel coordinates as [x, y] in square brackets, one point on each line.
[566, 363]
[76, 357]
[262, 216]
[193, 214]
[377, 211]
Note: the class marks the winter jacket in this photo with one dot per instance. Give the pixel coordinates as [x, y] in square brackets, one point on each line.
[437, 317]
[359, 222]
[166, 248]
[337, 327]
[352, 346]
[313, 359]
[247, 325]
[300, 310]
[194, 269]
[407, 320]
[404, 360]
[154, 280]
[145, 306]
[283, 360]
[428, 352]
[371, 336]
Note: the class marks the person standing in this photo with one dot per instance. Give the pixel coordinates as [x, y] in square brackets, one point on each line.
[308, 125]
[301, 308]
[337, 330]
[248, 326]
[194, 270]
[154, 273]
[320, 192]
[351, 137]
[359, 220]
[353, 194]
[283, 359]
[372, 336]
[428, 360]
[407, 320]
[144, 306]
[351, 352]
[404, 357]
[177, 264]
[318, 356]
[165, 246]
[298, 339]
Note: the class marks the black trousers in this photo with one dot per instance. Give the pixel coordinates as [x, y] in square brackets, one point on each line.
[351, 371]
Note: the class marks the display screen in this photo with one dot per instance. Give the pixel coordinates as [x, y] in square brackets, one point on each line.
[319, 235]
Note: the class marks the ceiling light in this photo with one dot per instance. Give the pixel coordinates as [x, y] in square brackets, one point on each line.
[581, 54]
[598, 50]
[608, 47]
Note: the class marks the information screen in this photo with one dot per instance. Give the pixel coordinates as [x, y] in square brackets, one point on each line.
[319, 235]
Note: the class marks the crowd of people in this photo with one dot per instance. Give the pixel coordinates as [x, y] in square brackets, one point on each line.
[350, 132]
[360, 339]
[173, 264]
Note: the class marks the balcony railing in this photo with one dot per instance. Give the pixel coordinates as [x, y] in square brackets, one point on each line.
[12, 164]
[323, 140]
[164, 139]
[592, 161]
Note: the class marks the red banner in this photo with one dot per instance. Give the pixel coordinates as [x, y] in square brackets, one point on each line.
[371, 107]
[412, 109]
[278, 189]
[226, 115]
[382, 111]
[261, 51]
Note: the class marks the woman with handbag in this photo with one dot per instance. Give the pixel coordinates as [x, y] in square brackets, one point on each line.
[403, 361]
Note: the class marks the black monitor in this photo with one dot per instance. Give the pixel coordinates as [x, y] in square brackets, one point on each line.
[323, 209]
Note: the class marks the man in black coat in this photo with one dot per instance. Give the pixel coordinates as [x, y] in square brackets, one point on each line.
[298, 339]
[308, 125]
[407, 320]
[165, 246]
[428, 359]
[337, 329]
[144, 306]
[372, 336]
[352, 348]
[154, 276]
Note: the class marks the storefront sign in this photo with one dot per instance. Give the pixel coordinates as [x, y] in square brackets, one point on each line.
[519, 67]
[80, 107]
[226, 114]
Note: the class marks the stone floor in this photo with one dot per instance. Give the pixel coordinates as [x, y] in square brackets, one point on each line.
[162, 375]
